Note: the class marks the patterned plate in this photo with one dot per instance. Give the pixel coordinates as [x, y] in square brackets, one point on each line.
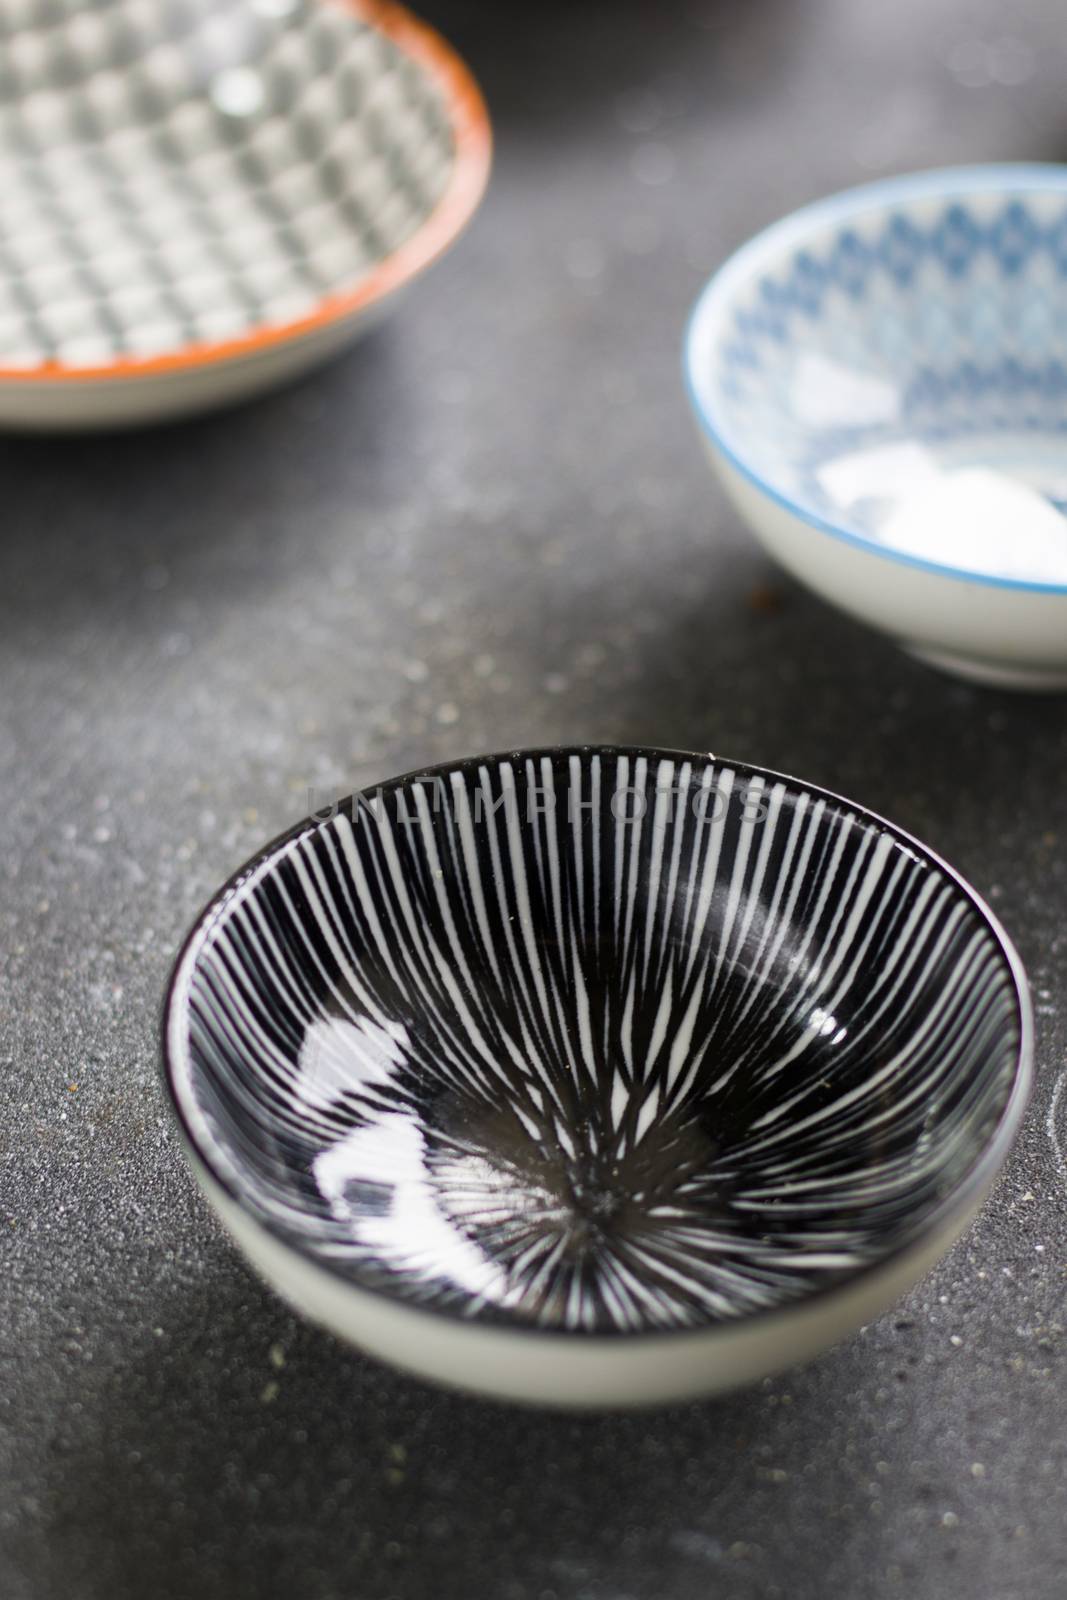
[203, 197]
[594, 1045]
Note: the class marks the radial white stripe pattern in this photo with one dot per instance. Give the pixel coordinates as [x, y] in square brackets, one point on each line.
[599, 1040]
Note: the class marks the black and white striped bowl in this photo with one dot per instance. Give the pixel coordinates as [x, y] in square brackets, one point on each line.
[201, 198]
[596, 1076]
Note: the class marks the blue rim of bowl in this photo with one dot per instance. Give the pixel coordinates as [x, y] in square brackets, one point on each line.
[946, 1213]
[995, 178]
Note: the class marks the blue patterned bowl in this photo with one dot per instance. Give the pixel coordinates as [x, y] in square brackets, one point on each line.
[882, 381]
[596, 1076]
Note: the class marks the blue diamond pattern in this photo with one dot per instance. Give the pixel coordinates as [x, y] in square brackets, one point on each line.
[961, 310]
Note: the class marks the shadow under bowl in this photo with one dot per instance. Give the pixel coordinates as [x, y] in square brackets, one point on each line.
[881, 380]
[596, 1076]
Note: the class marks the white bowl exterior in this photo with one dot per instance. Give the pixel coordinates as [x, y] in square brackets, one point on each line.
[999, 633]
[96, 404]
[578, 1371]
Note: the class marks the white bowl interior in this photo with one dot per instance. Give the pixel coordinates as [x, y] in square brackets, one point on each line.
[859, 354]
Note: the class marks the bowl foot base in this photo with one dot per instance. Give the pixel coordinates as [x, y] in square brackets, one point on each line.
[994, 674]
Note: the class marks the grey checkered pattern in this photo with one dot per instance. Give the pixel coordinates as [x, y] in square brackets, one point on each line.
[174, 171]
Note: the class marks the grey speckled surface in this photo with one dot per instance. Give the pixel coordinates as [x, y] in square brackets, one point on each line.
[491, 524]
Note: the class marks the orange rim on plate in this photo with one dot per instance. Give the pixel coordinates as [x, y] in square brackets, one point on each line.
[469, 122]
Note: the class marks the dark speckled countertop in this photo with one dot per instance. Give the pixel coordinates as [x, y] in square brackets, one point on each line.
[491, 525]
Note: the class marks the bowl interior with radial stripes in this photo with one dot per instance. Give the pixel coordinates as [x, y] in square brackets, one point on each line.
[595, 1041]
